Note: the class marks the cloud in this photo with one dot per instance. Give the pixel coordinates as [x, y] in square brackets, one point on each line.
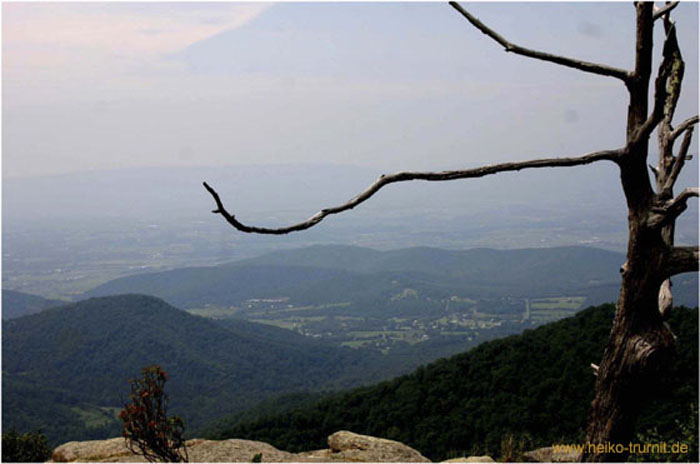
[57, 36]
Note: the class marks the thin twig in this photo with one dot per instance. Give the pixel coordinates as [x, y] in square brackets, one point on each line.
[679, 162]
[664, 10]
[669, 211]
[586, 66]
[683, 127]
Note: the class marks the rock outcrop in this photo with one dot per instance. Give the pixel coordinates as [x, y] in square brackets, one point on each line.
[234, 450]
[94, 450]
[347, 446]
[344, 446]
[115, 450]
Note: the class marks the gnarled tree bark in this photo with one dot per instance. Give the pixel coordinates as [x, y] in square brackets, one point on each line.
[640, 344]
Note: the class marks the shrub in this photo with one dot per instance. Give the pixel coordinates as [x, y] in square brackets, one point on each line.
[512, 447]
[28, 447]
[146, 428]
[685, 433]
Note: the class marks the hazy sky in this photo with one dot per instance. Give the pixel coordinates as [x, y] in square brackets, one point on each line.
[395, 85]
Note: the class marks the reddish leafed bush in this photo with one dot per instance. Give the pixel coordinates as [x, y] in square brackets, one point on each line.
[146, 427]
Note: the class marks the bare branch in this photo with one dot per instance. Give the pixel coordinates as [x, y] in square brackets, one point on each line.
[638, 83]
[678, 163]
[664, 10]
[674, 81]
[672, 52]
[684, 196]
[682, 259]
[609, 155]
[644, 42]
[667, 87]
[683, 127]
[594, 68]
[668, 212]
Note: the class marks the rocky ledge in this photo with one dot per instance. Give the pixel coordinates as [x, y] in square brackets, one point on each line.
[344, 447]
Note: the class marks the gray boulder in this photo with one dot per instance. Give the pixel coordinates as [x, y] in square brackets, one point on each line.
[348, 446]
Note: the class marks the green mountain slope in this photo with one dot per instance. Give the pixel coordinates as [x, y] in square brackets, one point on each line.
[536, 387]
[73, 361]
[17, 304]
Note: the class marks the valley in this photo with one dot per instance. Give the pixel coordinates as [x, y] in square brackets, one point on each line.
[422, 300]
[263, 334]
[455, 319]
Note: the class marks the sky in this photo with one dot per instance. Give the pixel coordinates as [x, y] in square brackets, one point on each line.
[393, 86]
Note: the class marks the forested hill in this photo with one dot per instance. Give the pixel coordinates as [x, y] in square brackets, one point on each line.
[536, 387]
[17, 304]
[65, 369]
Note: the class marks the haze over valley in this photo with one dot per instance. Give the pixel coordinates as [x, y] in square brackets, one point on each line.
[64, 235]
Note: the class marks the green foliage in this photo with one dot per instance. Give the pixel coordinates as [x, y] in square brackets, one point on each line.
[146, 426]
[27, 405]
[535, 387]
[257, 458]
[78, 355]
[63, 366]
[28, 447]
[684, 434]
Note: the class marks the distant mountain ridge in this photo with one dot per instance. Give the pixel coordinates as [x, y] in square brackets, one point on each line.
[481, 263]
[17, 304]
[342, 273]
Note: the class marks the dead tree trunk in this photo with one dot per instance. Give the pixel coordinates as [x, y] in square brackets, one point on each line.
[640, 344]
